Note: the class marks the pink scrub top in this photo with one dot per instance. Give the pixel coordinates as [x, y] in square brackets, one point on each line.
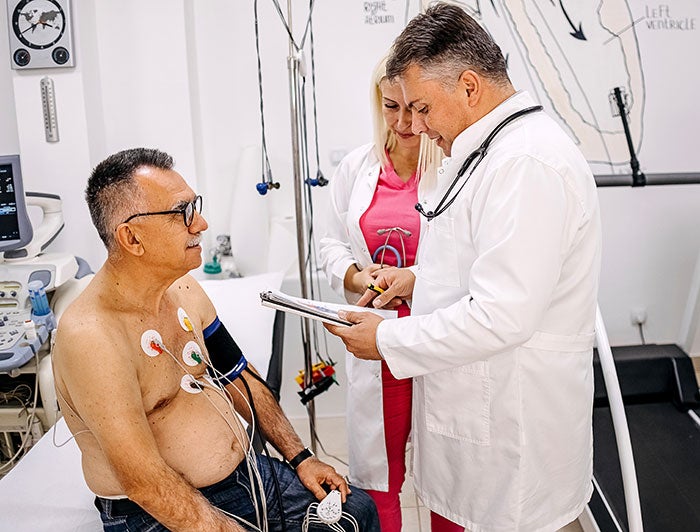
[393, 205]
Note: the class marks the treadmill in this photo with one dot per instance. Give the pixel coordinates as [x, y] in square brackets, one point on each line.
[662, 406]
[647, 406]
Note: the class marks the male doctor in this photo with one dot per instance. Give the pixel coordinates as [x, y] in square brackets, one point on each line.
[504, 295]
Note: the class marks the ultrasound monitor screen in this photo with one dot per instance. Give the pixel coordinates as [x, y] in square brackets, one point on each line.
[9, 222]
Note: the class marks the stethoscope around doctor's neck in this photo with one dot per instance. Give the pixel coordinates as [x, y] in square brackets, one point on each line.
[471, 163]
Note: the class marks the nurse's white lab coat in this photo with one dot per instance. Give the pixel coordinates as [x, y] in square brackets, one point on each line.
[501, 333]
[352, 189]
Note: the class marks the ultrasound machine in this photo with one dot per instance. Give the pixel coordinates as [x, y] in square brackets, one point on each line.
[29, 222]
[26, 272]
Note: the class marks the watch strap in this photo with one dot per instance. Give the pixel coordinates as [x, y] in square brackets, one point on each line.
[299, 458]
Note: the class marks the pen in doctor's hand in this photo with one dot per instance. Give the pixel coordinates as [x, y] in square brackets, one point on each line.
[371, 292]
[377, 290]
[377, 301]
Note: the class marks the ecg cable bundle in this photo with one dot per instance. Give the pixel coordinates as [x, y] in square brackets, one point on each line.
[310, 261]
[197, 386]
[267, 182]
[15, 395]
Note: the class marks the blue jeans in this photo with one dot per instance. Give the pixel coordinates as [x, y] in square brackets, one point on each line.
[233, 495]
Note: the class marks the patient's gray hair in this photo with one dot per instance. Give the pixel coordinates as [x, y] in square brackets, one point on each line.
[444, 42]
[112, 193]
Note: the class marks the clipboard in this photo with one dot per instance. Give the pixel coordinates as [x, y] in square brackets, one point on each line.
[306, 308]
[316, 310]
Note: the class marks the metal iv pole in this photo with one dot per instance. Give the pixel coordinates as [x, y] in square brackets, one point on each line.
[295, 66]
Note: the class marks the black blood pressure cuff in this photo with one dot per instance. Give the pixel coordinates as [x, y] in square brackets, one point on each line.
[226, 357]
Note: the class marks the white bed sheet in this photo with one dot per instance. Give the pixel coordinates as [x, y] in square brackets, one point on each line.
[46, 490]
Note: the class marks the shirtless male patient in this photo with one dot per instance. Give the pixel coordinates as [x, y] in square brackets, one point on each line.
[160, 451]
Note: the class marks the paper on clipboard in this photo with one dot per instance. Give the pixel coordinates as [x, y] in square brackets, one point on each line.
[315, 310]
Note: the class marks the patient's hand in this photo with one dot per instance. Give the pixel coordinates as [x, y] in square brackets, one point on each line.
[314, 474]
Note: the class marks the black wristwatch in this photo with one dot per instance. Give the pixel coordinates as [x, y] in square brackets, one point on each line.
[298, 459]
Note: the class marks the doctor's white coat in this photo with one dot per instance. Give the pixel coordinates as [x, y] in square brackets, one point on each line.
[501, 332]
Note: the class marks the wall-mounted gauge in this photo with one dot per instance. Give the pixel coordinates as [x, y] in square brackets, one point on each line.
[40, 33]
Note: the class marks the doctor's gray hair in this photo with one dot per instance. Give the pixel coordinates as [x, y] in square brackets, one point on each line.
[113, 195]
[444, 42]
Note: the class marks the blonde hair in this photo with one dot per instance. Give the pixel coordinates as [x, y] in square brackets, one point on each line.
[430, 155]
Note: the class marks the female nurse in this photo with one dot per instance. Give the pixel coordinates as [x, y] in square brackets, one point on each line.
[373, 224]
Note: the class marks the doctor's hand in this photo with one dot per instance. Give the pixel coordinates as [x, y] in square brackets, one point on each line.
[360, 338]
[397, 284]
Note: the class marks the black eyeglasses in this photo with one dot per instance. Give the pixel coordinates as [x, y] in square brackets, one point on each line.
[187, 212]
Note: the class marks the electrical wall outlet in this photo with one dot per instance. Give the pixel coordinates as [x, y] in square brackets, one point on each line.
[638, 316]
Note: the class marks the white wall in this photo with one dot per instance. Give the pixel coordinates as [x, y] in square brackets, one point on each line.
[650, 249]
[181, 75]
[9, 143]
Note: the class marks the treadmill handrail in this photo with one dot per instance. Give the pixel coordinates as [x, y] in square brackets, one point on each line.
[622, 434]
